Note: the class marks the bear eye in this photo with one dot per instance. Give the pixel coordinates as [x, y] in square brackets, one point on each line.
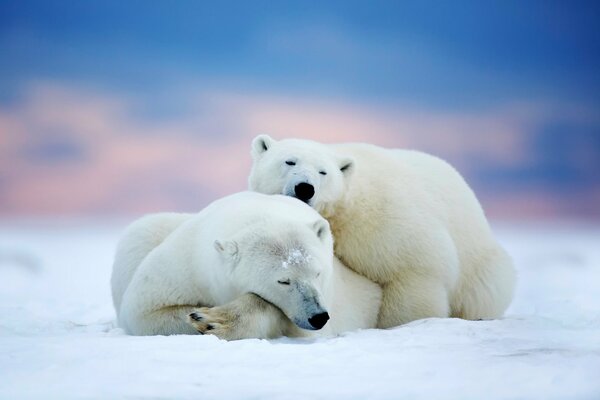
[323, 172]
[284, 282]
[290, 162]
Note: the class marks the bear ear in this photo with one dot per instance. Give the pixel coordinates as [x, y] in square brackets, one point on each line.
[228, 248]
[346, 165]
[261, 144]
[321, 228]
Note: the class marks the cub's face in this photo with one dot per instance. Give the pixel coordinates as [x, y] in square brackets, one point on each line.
[306, 170]
[289, 266]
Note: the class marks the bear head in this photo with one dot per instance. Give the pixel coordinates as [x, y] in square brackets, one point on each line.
[306, 170]
[285, 263]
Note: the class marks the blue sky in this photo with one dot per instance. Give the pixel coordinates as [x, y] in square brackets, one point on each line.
[465, 60]
[444, 54]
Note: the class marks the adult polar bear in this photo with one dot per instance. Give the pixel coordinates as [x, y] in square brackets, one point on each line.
[403, 219]
[236, 252]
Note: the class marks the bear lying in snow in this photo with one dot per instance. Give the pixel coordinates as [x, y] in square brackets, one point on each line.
[247, 266]
[403, 219]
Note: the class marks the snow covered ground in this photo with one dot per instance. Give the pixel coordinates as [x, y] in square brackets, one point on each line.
[58, 338]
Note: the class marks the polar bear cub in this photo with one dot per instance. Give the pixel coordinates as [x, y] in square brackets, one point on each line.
[404, 219]
[248, 265]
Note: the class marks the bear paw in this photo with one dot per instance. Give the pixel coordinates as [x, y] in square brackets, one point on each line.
[213, 321]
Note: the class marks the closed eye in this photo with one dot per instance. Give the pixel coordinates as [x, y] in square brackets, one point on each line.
[323, 172]
[289, 162]
[284, 282]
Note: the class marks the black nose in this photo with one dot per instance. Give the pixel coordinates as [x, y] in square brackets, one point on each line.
[304, 191]
[319, 320]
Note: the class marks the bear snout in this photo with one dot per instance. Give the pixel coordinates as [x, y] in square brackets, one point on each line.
[304, 191]
[319, 320]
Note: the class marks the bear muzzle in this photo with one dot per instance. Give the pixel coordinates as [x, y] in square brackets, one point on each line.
[319, 320]
[304, 191]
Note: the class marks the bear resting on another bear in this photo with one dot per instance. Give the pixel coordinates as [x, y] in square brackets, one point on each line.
[404, 219]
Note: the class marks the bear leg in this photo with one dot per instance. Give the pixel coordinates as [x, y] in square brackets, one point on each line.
[248, 316]
[409, 298]
[169, 320]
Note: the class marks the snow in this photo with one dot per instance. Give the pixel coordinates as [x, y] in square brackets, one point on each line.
[296, 257]
[58, 338]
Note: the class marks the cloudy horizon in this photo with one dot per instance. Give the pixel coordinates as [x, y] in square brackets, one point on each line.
[110, 109]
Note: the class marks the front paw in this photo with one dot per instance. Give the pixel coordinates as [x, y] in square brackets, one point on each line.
[214, 321]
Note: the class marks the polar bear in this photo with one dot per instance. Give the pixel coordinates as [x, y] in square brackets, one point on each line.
[404, 219]
[247, 266]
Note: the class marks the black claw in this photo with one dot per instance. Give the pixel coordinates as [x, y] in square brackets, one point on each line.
[196, 317]
[210, 327]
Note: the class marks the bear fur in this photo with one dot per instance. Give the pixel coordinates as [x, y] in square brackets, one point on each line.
[247, 266]
[404, 219]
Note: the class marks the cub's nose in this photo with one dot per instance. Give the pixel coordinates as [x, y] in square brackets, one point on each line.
[319, 320]
[304, 191]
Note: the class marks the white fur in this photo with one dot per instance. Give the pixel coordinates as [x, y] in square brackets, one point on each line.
[168, 265]
[404, 219]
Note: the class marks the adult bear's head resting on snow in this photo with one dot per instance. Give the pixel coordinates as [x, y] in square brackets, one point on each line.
[303, 169]
[288, 265]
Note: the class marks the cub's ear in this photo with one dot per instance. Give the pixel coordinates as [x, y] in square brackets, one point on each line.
[346, 165]
[261, 144]
[321, 228]
[228, 248]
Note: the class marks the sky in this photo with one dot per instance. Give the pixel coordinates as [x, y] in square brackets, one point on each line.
[123, 108]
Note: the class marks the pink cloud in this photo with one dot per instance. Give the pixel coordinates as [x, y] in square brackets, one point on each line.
[132, 163]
